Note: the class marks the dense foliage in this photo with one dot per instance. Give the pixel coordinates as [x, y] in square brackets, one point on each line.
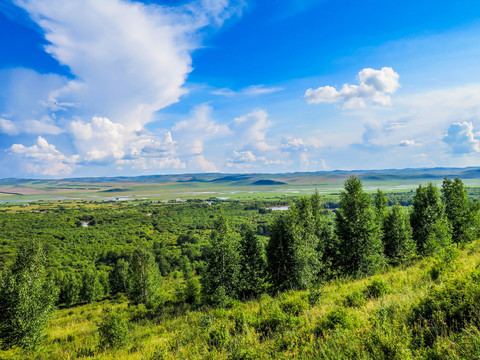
[168, 259]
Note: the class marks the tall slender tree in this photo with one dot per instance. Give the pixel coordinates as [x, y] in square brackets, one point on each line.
[293, 253]
[361, 248]
[222, 261]
[252, 265]
[380, 205]
[70, 289]
[145, 279]
[27, 298]
[92, 289]
[462, 214]
[119, 277]
[397, 236]
[430, 227]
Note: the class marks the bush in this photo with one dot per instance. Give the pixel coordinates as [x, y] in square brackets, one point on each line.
[218, 336]
[447, 309]
[338, 318]
[292, 304]
[376, 289]
[192, 291]
[444, 262]
[272, 319]
[355, 299]
[314, 295]
[113, 329]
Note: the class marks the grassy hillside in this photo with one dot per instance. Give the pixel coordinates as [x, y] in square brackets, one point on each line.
[372, 318]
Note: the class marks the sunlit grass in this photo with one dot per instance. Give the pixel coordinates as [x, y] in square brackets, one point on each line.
[234, 333]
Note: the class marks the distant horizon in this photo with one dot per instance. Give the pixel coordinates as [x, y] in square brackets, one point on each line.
[247, 173]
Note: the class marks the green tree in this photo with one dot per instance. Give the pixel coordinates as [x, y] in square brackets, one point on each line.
[27, 298]
[252, 260]
[113, 329]
[222, 260]
[294, 252]
[462, 214]
[92, 289]
[397, 236]
[326, 241]
[360, 244]
[380, 209]
[145, 280]
[192, 290]
[430, 228]
[119, 277]
[380, 205]
[70, 289]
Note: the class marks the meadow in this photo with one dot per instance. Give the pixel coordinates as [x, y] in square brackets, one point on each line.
[339, 322]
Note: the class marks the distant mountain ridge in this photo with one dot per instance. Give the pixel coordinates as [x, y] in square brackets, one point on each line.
[268, 179]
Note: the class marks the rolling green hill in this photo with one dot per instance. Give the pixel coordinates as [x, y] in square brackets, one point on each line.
[188, 186]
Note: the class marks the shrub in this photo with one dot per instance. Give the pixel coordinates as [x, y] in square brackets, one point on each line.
[376, 289]
[444, 262]
[292, 304]
[218, 336]
[447, 309]
[314, 295]
[355, 299]
[338, 318]
[272, 319]
[113, 329]
[192, 291]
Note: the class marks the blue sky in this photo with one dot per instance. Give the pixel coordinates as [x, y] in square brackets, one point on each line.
[117, 87]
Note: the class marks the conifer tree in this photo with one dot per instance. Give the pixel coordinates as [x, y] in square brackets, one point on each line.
[222, 261]
[145, 279]
[397, 236]
[27, 298]
[293, 253]
[252, 262]
[380, 206]
[430, 228]
[462, 214]
[360, 244]
[280, 257]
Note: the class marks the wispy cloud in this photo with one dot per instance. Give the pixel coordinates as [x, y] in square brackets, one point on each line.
[250, 90]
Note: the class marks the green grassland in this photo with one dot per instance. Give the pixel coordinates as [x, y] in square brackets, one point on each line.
[291, 325]
[233, 186]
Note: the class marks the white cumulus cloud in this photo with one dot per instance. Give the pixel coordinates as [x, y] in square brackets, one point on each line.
[102, 140]
[461, 138]
[44, 158]
[131, 61]
[374, 85]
